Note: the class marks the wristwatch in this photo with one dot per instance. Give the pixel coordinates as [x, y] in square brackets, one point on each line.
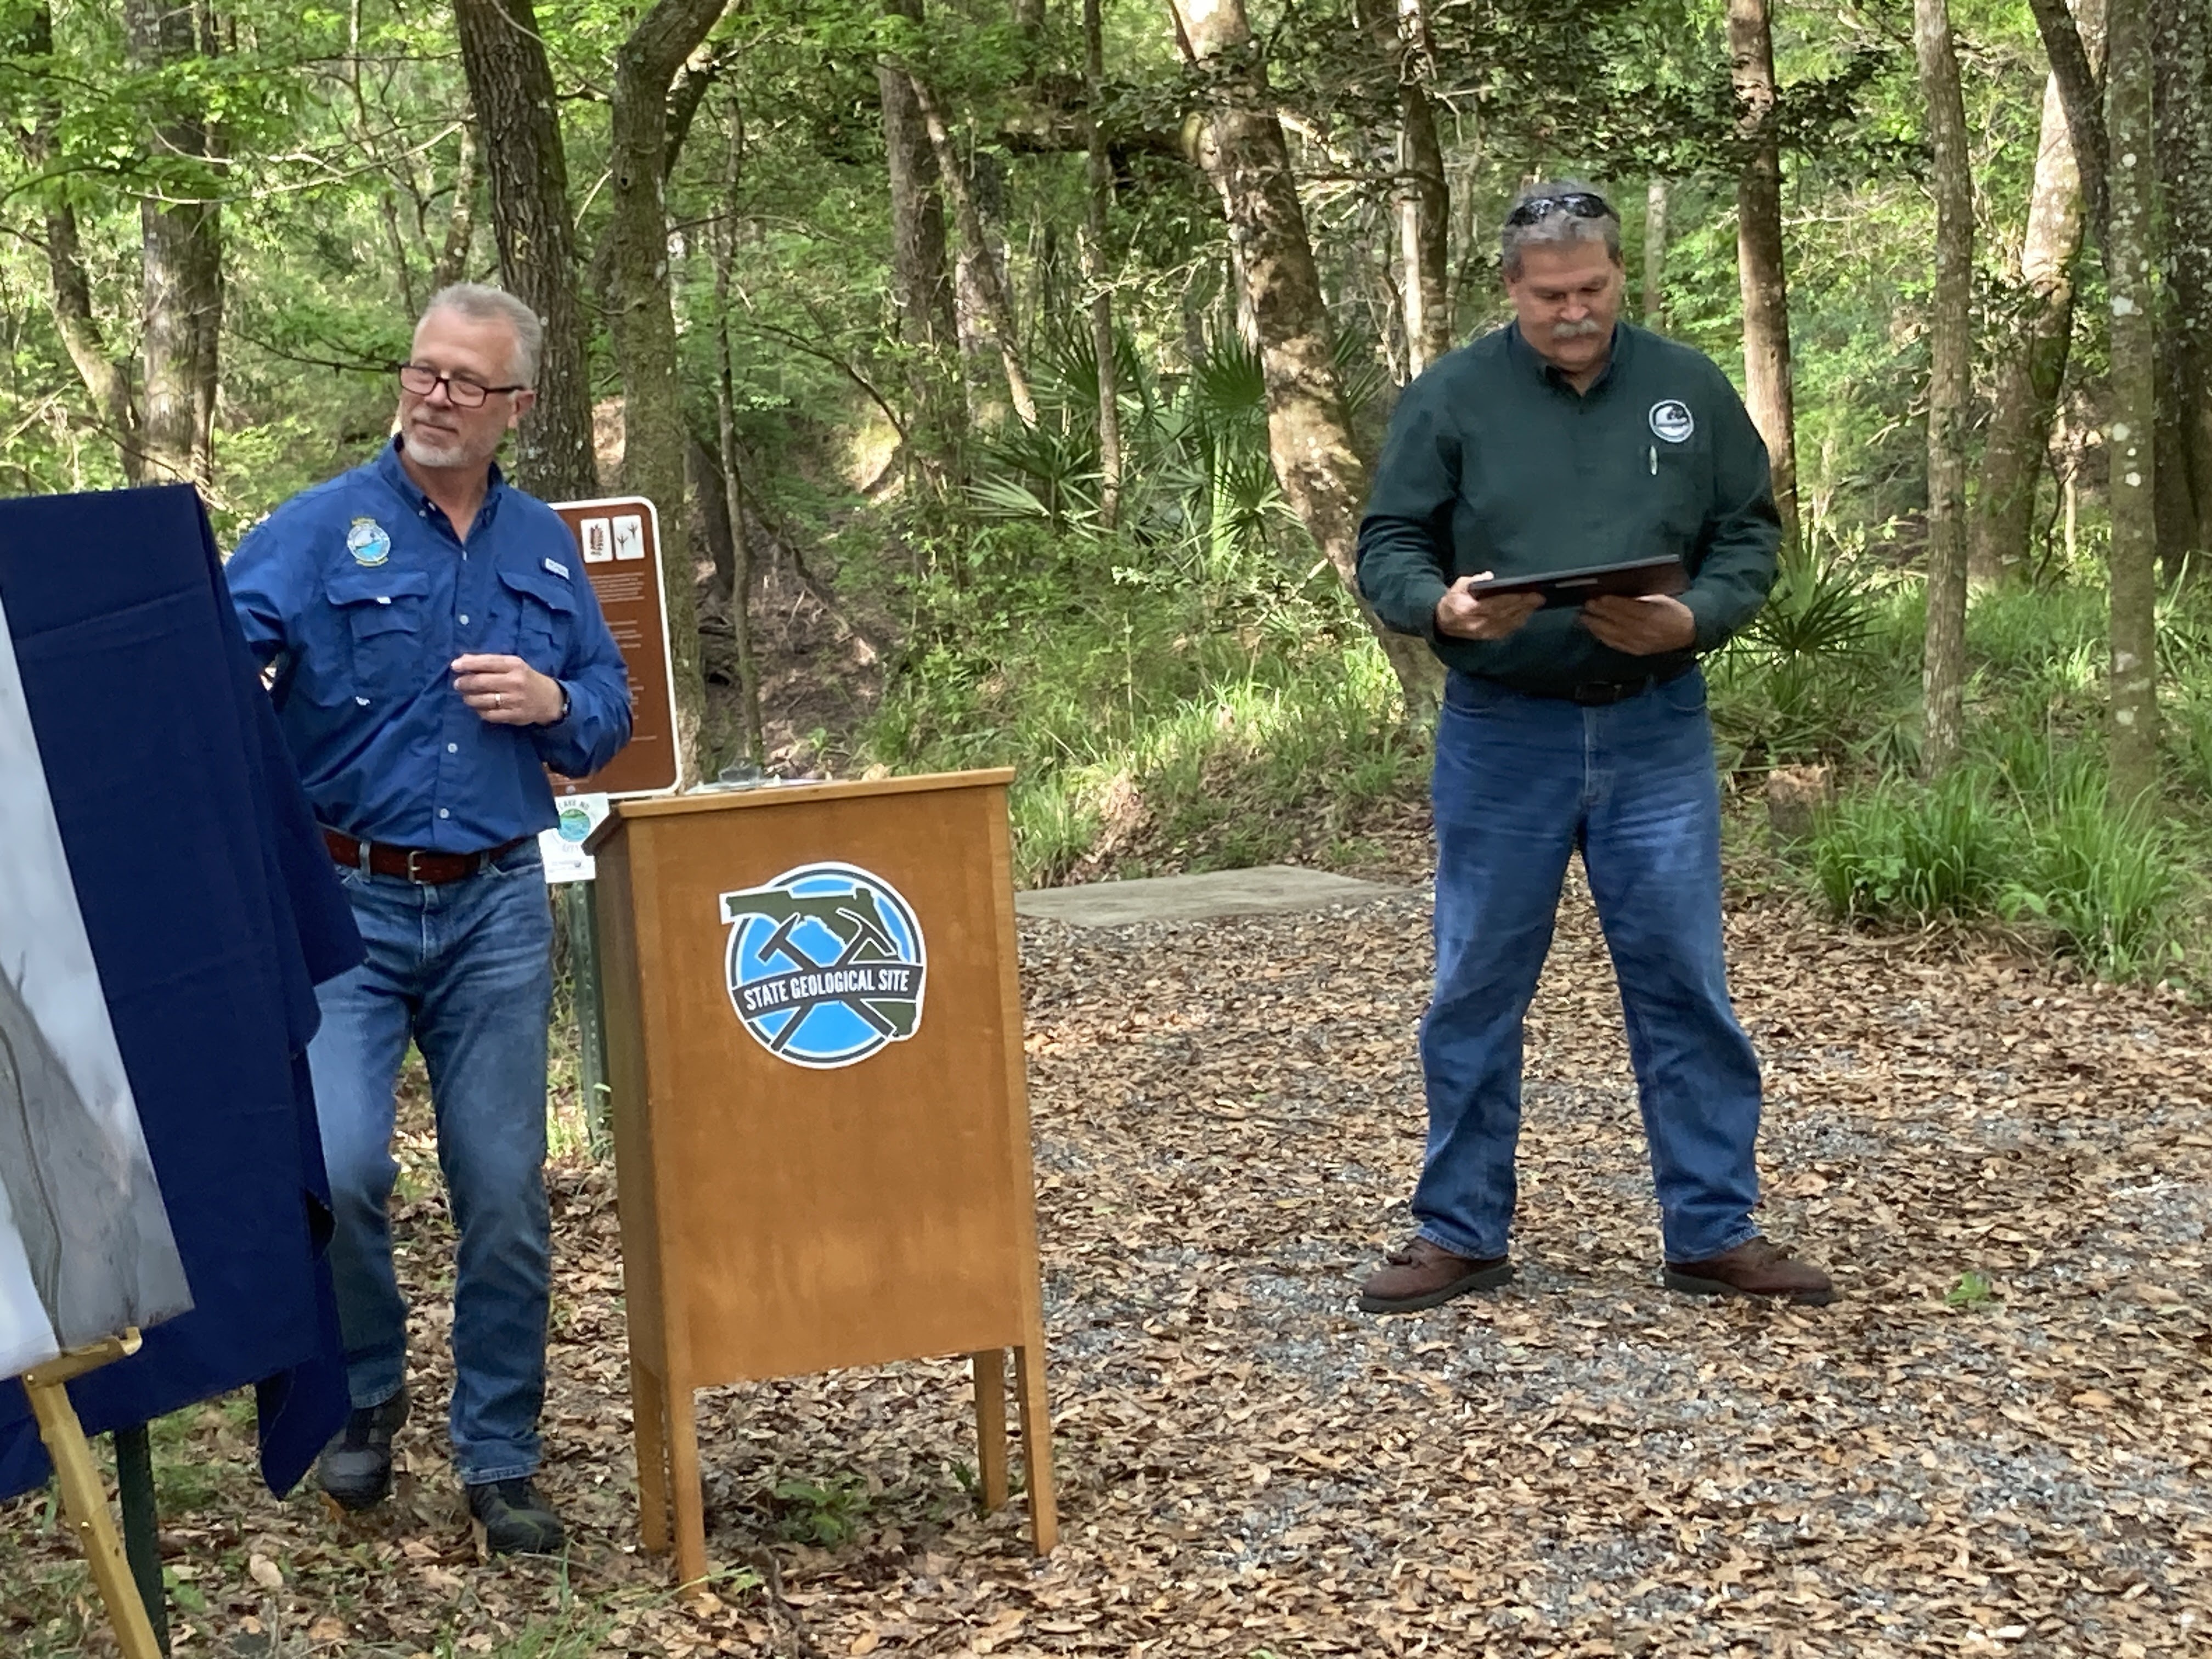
[564, 714]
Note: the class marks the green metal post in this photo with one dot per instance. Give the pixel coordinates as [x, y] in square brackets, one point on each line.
[142, 1545]
[591, 1015]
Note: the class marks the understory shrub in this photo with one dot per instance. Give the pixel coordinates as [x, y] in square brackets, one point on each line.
[1156, 709]
[2041, 850]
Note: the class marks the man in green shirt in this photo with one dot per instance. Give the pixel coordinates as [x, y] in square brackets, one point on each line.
[1568, 439]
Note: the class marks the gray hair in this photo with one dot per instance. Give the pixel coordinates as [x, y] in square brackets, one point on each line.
[1556, 230]
[481, 303]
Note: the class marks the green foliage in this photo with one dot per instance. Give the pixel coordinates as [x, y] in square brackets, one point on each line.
[1900, 851]
[1184, 709]
[1972, 1289]
[826, 1513]
[2023, 834]
[1787, 687]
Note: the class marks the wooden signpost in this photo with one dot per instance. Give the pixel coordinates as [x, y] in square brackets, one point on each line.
[618, 539]
[618, 544]
[822, 1141]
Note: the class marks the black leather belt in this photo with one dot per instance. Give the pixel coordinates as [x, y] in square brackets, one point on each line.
[1596, 694]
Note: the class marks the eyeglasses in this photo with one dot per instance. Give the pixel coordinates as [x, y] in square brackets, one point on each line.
[1582, 203]
[422, 379]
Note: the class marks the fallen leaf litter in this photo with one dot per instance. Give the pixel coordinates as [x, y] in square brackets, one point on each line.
[1228, 1124]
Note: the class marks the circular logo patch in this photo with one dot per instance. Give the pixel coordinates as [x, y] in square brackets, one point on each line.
[575, 825]
[368, 541]
[825, 964]
[1672, 421]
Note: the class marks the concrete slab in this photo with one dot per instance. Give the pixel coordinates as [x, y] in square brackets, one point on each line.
[1271, 887]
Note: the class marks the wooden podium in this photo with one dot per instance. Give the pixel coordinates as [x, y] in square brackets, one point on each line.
[822, 1143]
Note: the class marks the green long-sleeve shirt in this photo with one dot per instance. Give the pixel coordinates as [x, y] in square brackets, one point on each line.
[1494, 462]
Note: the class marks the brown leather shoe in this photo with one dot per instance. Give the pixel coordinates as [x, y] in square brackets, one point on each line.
[1426, 1275]
[1755, 1267]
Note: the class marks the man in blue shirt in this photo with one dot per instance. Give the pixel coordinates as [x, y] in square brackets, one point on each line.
[435, 649]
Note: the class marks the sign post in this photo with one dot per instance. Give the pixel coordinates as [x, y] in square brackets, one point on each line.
[618, 543]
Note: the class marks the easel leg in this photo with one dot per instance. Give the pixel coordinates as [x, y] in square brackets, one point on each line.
[84, 1496]
[649, 1426]
[683, 1478]
[1036, 1443]
[990, 1368]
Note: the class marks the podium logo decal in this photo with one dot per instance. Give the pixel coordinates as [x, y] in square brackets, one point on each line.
[825, 964]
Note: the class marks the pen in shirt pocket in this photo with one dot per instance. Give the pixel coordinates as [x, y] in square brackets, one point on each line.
[1654, 460]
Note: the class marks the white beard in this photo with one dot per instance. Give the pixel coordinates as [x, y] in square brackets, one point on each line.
[432, 452]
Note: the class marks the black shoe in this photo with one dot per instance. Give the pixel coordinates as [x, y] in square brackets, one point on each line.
[356, 1467]
[515, 1519]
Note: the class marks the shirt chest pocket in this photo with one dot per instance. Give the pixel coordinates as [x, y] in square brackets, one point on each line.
[1679, 481]
[544, 612]
[378, 617]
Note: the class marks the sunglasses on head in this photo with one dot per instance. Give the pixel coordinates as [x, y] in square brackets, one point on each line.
[1582, 203]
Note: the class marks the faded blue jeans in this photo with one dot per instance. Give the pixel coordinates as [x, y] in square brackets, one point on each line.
[1520, 783]
[466, 970]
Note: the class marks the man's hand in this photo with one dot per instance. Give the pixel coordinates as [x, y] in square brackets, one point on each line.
[1642, 626]
[507, 691]
[1464, 616]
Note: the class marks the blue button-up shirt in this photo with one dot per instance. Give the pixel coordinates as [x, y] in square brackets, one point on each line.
[362, 595]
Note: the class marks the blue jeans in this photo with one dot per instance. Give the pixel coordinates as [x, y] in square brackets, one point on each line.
[1520, 782]
[466, 969]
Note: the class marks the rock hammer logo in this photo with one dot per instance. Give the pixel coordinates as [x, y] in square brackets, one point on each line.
[825, 964]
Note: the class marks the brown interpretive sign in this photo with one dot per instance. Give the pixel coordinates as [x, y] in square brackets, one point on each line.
[618, 541]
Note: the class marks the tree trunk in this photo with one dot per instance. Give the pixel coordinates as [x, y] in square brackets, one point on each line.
[2073, 67]
[511, 85]
[921, 285]
[2031, 372]
[644, 319]
[453, 262]
[68, 291]
[1243, 152]
[1098, 199]
[1654, 252]
[1950, 383]
[1760, 268]
[1420, 195]
[2130, 257]
[733, 500]
[182, 244]
[702, 475]
[997, 309]
[2182, 50]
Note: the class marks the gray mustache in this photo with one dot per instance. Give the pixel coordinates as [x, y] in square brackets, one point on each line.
[1587, 326]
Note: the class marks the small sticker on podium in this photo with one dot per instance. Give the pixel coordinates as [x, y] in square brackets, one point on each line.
[562, 846]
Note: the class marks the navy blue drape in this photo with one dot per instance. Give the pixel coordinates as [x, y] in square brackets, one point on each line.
[213, 914]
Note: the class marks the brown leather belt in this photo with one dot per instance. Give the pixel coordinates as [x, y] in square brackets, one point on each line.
[414, 864]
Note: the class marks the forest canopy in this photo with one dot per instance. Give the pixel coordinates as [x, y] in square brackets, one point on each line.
[1042, 348]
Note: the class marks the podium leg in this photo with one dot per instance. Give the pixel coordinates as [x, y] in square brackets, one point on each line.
[990, 1368]
[649, 1423]
[1036, 1443]
[84, 1496]
[683, 1480]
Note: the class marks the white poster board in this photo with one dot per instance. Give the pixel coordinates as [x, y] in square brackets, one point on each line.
[85, 1248]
